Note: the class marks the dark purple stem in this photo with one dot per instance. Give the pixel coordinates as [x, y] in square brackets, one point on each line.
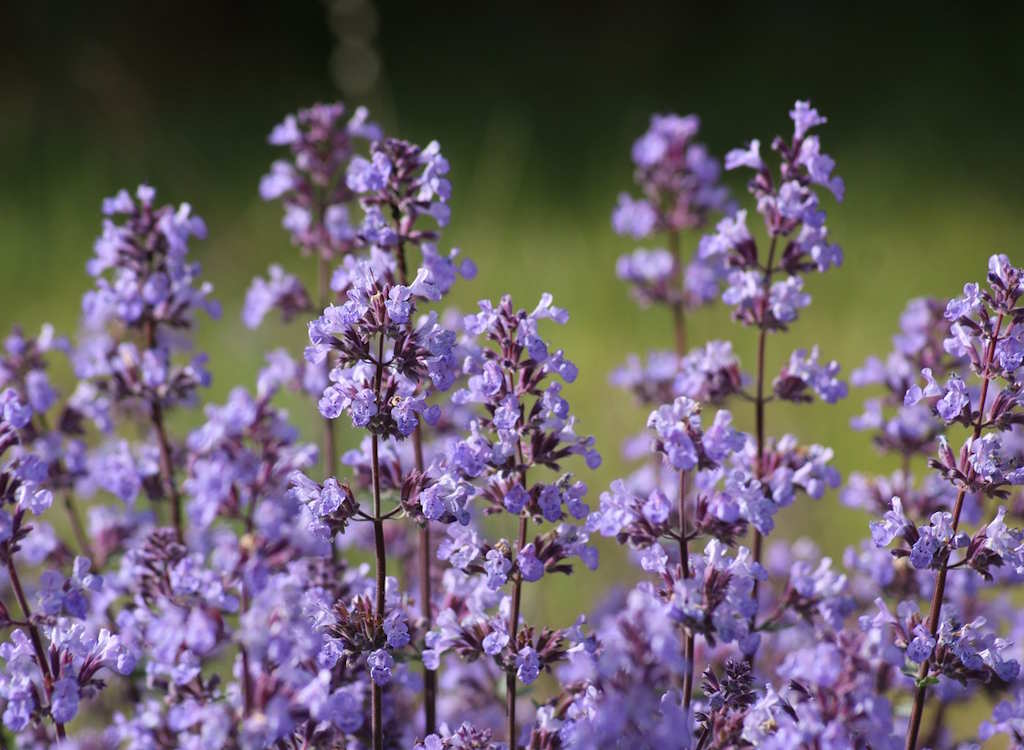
[679, 325]
[166, 463]
[684, 556]
[380, 571]
[760, 400]
[78, 530]
[678, 311]
[513, 627]
[935, 612]
[33, 633]
[425, 557]
[246, 673]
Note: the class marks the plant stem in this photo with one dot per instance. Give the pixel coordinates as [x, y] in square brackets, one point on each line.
[376, 698]
[759, 400]
[425, 557]
[246, 674]
[33, 633]
[679, 326]
[513, 628]
[678, 311]
[167, 469]
[684, 556]
[426, 608]
[166, 463]
[517, 593]
[935, 612]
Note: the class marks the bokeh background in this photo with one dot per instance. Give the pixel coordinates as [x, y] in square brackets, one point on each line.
[536, 111]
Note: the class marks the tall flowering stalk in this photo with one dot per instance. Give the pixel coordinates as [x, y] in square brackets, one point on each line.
[382, 373]
[241, 623]
[985, 332]
[396, 186]
[678, 179]
[401, 183]
[711, 373]
[798, 243]
[145, 286]
[316, 199]
[521, 425]
[735, 480]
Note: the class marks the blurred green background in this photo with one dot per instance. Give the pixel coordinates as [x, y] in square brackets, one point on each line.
[536, 111]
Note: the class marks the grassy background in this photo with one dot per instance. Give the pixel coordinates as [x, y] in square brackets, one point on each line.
[536, 112]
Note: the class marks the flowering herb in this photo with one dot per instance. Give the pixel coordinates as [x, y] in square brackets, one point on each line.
[225, 588]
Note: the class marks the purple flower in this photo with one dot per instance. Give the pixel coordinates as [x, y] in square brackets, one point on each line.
[64, 700]
[635, 218]
[804, 118]
[527, 665]
[529, 566]
[381, 664]
[15, 413]
[364, 176]
[749, 157]
[803, 372]
[891, 526]
[786, 297]
[495, 641]
[922, 646]
[322, 145]
[280, 290]
[396, 629]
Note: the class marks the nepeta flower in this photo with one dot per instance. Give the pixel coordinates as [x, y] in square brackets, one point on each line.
[790, 209]
[244, 624]
[946, 646]
[280, 290]
[322, 141]
[369, 331]
[677, 176]
[409, 182]
[803, 373]
[140, 265]
[636, 218]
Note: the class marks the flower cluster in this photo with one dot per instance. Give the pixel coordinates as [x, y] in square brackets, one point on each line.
[53, 656]
[311, 185]
[793, 218]
[379, 359]
[520, 427]
[240, 586]
[146, 296]
[679, 181]
[786, 663]
[677, 176]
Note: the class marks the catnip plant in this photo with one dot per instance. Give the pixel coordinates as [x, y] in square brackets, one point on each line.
[396, 183]
[241, 585]
[721, 481]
